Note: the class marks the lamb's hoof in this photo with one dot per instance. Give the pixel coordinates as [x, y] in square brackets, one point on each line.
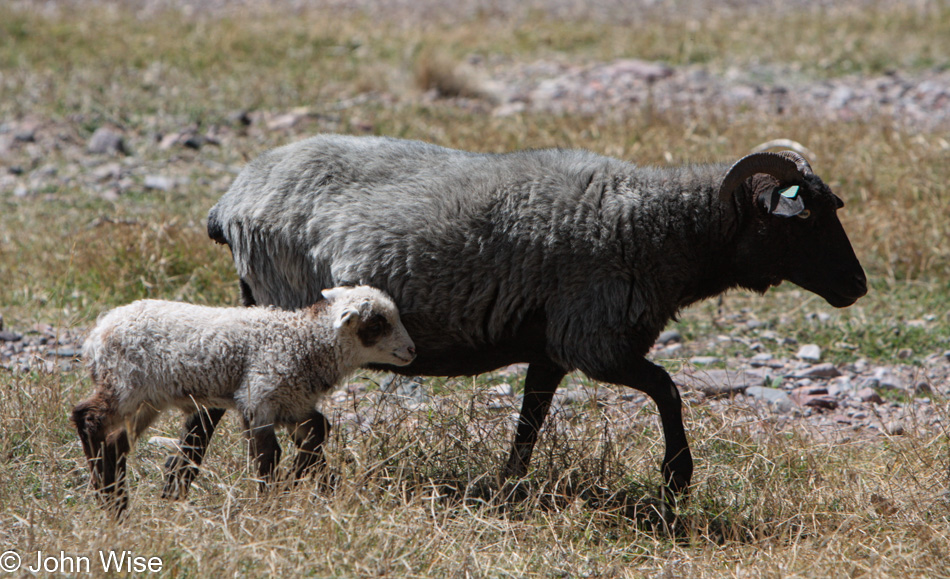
[179, 475]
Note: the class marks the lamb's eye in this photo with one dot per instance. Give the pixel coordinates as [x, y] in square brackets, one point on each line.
[805, 214]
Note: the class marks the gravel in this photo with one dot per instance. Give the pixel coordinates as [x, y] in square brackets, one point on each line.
[830, 401]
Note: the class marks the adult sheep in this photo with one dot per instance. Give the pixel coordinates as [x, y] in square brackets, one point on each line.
[563, 259]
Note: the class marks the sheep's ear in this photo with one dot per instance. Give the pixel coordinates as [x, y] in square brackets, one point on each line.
[785, 202]
[349, 316]
[333, 292]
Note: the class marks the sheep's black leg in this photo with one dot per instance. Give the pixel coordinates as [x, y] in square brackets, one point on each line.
[309, 436]
[181, 469]
[539, 385]
[656, 383]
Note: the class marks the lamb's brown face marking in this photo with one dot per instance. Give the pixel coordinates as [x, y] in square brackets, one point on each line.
[374, 329]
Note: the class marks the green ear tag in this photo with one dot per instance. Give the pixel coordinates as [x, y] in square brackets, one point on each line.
[791, 192]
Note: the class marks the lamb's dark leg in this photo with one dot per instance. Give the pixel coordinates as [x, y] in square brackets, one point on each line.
[540, 384]
[87, 417]
[656, 383]
[309, 436]
[113, 494]
[182, 468]
[264, 451]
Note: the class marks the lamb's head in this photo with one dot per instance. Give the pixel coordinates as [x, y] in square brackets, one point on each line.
[371, 319]
[786, 228]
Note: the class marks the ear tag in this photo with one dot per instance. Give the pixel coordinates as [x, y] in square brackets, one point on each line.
[787, 203]
[790, 193]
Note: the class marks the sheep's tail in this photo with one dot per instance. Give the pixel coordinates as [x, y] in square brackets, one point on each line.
[273, 270]
[215, 230]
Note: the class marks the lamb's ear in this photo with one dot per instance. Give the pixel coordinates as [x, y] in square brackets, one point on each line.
[785, 202]
[333, 292]
[348, 317]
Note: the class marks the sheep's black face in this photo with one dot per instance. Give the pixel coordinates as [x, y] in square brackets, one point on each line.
[795, 235]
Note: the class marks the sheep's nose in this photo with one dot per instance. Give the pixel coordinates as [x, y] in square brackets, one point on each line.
[412, 351]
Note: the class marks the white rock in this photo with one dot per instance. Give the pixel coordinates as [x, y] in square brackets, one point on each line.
[810, 352]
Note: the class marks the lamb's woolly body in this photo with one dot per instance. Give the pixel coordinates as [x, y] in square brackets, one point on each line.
[270, 364]
[262, 360]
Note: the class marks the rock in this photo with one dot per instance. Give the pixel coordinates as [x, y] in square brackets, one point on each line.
[26, 133]
[717, 383]
[905, 353]
[703, 360]
[68, 353]
[413, 390]
[923, 388]
[501, 390]
[240, 118]
[775, 397]
[760, 359]
[10, 337]
[573, 396]
[669, 336]
[189, 139]
[883, 506]
[165, 442]
[894, 428]
[513, 370]
[159, 182]
[814, 397]
[885, 378]
[288, 120]
[869, 395]
[107, 171]
[669, 351]
[826, 370]
[106, 141]
[810, 352]
[840, 385]
[648, 71]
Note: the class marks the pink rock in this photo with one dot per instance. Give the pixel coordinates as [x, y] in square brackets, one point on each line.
[869, 395]
[814, 397]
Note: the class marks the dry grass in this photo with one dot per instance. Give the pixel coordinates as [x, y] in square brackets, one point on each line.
[416, 494]
[416, 498]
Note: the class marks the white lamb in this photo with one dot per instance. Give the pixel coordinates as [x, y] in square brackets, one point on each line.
[271, 365]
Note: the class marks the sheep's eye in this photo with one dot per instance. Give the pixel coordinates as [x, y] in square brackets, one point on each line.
[805, 214]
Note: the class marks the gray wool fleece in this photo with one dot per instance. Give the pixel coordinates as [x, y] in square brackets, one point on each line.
[470, 244]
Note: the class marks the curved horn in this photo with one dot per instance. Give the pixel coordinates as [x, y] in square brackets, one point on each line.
[779, 165]
[785, 144]
[800, 161]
